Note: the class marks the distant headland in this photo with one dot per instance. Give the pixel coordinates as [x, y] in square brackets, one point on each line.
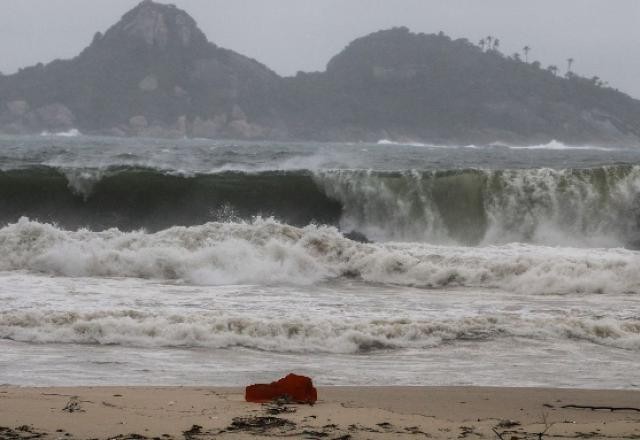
[155, 74]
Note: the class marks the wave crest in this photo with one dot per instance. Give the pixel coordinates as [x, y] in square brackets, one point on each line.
[598, 207]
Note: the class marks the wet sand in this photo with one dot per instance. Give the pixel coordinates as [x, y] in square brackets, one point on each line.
[340, 413]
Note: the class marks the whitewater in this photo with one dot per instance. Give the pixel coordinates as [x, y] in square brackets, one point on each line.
[194, 262]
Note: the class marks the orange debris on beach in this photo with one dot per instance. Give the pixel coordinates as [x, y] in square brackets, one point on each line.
[293, 388]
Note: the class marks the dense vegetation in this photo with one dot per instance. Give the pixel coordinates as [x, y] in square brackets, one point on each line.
[154, 73]
[395, 83]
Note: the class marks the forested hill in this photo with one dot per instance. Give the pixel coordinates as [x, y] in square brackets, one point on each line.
[155, 74]
[398, 84]
[151, 74]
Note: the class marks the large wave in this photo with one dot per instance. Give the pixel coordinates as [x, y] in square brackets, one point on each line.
[576, 207]
[134, 198]
[268, 252]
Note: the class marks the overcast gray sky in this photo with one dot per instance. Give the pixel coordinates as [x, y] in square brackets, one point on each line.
[290, 35]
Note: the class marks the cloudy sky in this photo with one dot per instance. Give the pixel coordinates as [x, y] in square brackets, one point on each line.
[603, 36]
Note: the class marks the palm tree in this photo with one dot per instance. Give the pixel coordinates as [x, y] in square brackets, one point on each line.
[516, 56]
[526, 51]
[553, 69]
[489, 39]
[569, 64]
[482, 43]
[496, 44]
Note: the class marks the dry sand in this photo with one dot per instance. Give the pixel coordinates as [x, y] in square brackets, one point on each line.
[341, 413]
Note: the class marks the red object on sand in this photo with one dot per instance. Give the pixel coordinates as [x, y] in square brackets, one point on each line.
[298, 389]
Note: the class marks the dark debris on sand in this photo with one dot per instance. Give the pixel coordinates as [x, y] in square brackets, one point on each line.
[258, 424]
[276, 407]
[264, 425]
[20, 433]
[128, 437]
[310, 434]
[73, 405]
[507, 423]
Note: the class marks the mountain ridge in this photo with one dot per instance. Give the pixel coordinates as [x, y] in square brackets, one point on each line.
[154, 73]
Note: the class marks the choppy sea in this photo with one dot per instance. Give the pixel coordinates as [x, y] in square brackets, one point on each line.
[198, 262]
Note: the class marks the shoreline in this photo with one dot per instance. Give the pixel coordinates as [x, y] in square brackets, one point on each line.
[340, 413]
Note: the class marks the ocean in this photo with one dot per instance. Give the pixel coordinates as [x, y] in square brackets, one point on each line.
[199, 262]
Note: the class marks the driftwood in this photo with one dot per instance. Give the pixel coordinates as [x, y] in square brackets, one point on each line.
[601, 408]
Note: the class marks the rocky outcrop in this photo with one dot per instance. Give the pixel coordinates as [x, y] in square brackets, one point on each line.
[158, 25]
[149, 84]
[18, 108]
[209, 128]
[17, 117]
[55, 117]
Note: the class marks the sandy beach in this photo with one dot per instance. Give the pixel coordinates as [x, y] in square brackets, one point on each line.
[340, 413]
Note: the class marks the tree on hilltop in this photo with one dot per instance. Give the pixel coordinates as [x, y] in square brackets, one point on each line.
[569, 64]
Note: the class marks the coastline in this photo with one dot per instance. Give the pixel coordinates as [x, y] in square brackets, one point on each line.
[340, 413]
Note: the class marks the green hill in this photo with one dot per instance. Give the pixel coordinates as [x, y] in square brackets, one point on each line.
[397, 84]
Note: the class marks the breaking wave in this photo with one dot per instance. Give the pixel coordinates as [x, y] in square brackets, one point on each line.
[551, 145]
[133, 328]
[555, 145]
[574, 207]
[408, 144]
[134, 198]
[74, 132]
[595, 207]
[267, 252]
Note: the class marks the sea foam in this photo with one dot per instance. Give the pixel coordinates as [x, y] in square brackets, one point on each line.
[267, 252]
[310, 335]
